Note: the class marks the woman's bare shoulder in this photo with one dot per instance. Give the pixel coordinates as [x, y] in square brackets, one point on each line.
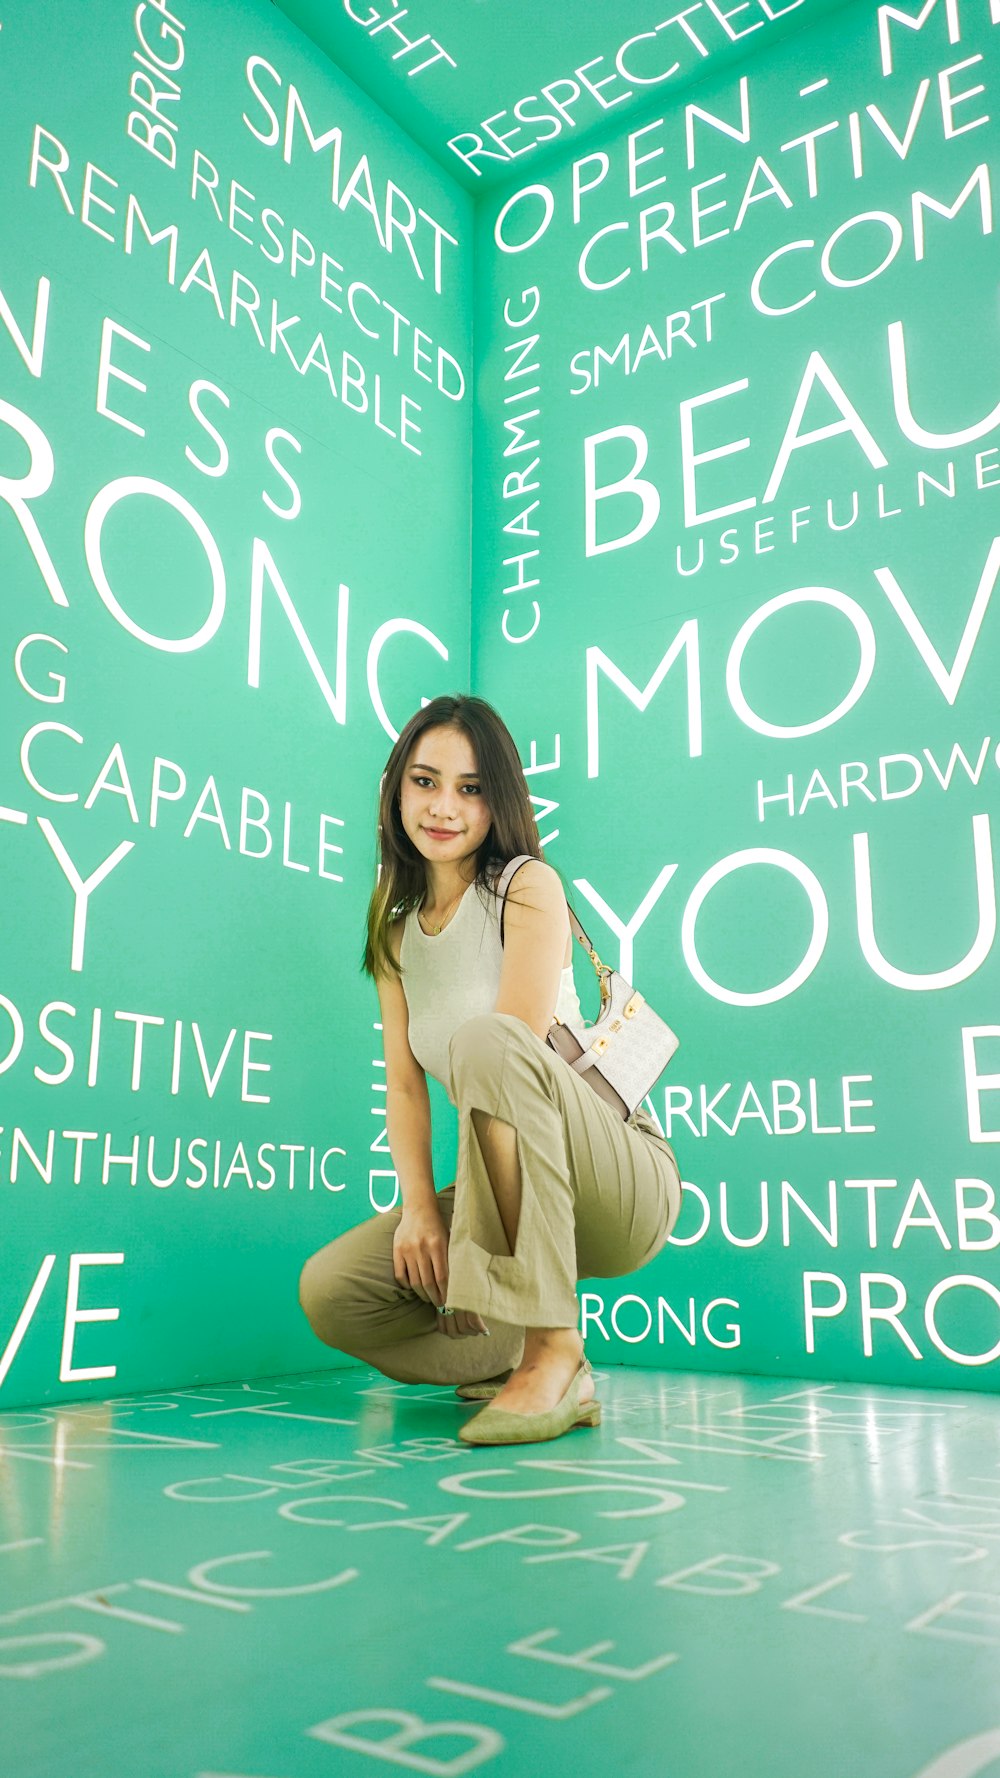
[535, 879]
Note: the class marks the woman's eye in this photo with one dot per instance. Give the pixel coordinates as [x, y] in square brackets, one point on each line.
[420, 781]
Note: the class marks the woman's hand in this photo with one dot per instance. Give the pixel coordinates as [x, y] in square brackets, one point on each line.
[420, 1253]
[420, 1262]
[461, 1323]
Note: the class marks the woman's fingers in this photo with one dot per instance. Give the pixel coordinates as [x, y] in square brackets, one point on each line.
[434, 1271]
[463, 1323]
[400, 1264]
[439, 1260]
[420, 1264]
[413, 1268]
[430, 1288]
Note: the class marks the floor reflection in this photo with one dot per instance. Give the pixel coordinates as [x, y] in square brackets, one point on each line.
[296, 1577]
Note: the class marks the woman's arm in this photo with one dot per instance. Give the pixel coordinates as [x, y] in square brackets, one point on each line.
[535, 930]
[420, 1246]
[408, 1106]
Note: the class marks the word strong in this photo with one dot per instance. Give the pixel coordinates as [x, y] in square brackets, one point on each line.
[127, 497]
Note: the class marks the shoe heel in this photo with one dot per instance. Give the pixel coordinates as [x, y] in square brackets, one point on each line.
[590, 1414]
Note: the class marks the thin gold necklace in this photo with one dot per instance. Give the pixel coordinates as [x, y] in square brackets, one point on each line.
[443, 923]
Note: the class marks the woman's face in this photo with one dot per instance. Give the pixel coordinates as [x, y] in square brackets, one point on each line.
[443, 811]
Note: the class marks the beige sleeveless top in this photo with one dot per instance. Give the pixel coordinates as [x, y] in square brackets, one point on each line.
[456, 975]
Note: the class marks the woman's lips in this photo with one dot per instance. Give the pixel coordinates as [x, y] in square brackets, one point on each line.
[442, 833]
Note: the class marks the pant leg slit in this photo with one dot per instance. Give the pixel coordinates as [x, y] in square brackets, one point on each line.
[595, 1197]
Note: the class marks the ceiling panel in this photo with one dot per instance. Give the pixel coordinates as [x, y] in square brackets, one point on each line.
[495, 89]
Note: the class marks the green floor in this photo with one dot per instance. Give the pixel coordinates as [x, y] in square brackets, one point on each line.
[730, 1576]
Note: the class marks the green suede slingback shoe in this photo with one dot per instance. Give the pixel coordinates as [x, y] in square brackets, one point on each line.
[498, 1426]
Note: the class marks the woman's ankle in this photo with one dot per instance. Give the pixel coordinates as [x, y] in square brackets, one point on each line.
[550, 1342]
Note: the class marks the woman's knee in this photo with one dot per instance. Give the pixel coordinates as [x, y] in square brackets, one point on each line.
[325, 1299]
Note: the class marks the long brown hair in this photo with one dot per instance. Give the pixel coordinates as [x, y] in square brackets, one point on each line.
[401, 880]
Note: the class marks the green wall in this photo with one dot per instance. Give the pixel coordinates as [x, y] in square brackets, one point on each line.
[750, 562]
[238, 537]
[249, 569]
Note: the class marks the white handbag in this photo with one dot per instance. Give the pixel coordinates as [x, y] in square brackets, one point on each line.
[629, 1044]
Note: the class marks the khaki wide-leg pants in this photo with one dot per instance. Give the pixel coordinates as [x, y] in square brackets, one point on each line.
[599, 1197]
